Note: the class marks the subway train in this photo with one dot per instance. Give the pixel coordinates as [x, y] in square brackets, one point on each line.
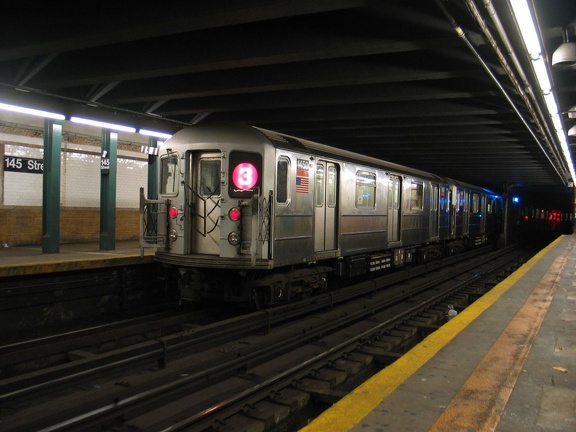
[253, 216]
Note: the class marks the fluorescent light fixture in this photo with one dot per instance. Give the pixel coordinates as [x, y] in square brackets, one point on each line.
[527, 27]
[155, 134]
[557, 121]
[31, 111]
[542, 76]
[572, 131]
[101, 124]
[551, 104]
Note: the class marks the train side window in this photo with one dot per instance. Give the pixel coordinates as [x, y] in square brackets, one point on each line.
[444, 199]
[331, 192]
[461, 200]
[319, 187]
[475, 203]
[169, 174]
[435, 197]
[282, 180]
[416, 195]
[209, 177]
[365, 189]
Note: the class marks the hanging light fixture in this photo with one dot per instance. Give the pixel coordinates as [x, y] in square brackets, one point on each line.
[565, 55]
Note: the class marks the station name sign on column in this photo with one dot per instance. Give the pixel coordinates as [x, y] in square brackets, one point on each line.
[105, 163]
[23, 165]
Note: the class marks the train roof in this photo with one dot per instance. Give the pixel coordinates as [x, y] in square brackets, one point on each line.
[242, 133]
[278, 139]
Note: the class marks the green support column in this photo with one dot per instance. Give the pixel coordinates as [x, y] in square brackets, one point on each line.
[51, 187]
[152, 184]
[108, 190]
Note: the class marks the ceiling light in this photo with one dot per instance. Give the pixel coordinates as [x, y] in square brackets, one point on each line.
[527, 27]
[31, 111]
[572, 131]
[565, 55]
[101, 124]
[541, 72]
[155, 134]
[530, 36]
[572, 112]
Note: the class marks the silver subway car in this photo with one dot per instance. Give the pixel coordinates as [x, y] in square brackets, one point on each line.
[254, 216]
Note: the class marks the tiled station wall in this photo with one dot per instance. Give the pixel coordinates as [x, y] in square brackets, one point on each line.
[80, 175]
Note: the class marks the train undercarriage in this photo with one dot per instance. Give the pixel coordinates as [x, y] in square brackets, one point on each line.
[258, 289]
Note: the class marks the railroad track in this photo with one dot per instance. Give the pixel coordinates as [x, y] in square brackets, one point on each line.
[248, 368]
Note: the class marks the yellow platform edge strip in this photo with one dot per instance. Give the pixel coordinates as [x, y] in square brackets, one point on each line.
[351, 409]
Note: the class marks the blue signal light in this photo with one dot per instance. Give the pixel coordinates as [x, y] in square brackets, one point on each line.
[515, 200]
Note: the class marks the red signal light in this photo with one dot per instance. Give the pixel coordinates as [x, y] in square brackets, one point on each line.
[173, 212]
[234, 214]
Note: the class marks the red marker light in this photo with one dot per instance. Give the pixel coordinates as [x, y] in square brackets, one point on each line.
[245, 176]
[173, 212]
[234, 214]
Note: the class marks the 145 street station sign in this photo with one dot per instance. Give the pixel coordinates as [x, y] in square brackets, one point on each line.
[23, 165]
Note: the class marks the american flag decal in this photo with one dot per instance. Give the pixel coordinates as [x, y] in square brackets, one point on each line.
[302, 179]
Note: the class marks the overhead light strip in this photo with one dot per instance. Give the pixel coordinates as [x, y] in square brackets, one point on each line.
[528, 30]
[102, 124]
[154, 134]
[32, 111]
[82, 120]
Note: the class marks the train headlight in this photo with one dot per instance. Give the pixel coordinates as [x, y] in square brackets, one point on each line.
[173, 235]
[234, 238]
[173, 212]
[234, 214]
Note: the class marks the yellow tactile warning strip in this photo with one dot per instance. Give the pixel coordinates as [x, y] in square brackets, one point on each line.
[349, 411]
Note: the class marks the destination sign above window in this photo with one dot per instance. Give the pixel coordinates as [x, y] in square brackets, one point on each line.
[23, 165]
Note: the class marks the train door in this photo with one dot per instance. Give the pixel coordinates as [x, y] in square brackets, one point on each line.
[453, 213]
[444, 212]
[462, 212]
[466, 215]
[394, 207]
[205, 204]
[325, 206]
[434, 213]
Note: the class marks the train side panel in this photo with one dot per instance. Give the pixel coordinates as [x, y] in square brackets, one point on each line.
[363, 214]
[292, 227]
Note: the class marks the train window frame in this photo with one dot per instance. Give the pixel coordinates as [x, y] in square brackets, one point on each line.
[490, 205]
[417, 195]
[214, 176]
[166, 173]
[460, 200]
[365, 189]
[283, 180]
[332, 186]
[319, 184]
[435, 196]
[444, 198]
[475, 203]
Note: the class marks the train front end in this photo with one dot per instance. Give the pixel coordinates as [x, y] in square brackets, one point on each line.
[210, 220]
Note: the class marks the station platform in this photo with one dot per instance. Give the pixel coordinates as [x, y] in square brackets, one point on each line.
[29, 260]
[506, 363]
